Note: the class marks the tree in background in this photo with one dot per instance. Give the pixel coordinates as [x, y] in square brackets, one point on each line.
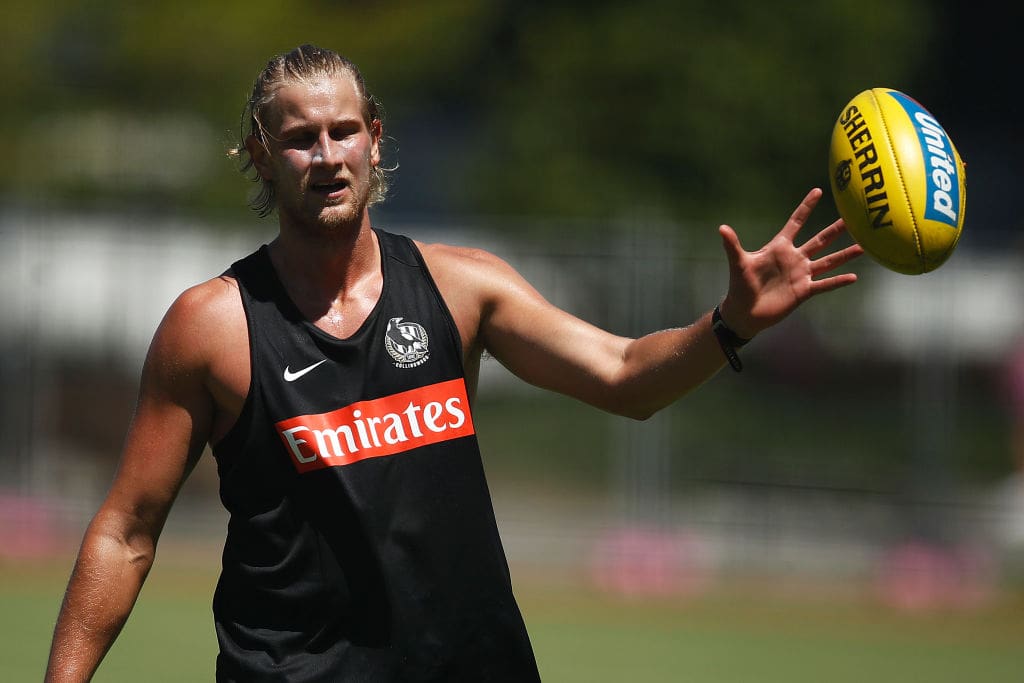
[697, 110]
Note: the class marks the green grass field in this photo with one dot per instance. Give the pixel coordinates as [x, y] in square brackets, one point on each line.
[736, 633]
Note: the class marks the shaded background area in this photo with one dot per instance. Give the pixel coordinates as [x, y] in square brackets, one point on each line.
[704, 111]
[872, 446]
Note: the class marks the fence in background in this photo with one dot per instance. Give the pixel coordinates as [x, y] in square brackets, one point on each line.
[681, 499]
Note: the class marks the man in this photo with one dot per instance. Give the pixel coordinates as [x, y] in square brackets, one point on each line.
[332, 372]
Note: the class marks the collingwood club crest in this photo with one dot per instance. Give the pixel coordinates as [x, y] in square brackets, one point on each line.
[406, 341]
[843, 174]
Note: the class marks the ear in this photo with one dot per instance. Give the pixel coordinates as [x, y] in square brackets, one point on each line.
[376, 131]
[260, 156]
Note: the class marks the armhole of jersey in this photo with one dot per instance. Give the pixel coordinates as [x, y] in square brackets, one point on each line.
[453, 329]
[229, 442]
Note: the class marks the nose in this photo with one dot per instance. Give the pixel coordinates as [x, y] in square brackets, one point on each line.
[324, 152]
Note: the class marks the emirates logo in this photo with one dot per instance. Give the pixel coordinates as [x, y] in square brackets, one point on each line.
[407, 343]
[380, 427]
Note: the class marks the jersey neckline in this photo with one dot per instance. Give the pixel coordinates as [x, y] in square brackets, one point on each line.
[291, 309]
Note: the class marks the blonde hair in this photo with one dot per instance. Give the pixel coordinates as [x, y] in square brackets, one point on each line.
[303, 63]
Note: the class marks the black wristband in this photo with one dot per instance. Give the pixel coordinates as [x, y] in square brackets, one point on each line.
[727, 339]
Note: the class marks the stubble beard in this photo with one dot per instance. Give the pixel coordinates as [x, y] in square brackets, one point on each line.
[333, 219]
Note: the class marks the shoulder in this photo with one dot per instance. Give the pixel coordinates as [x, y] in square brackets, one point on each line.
[473, 283]
[486, 295]
[455, 256]
[202, 320]
[200, 307]
[479, 269]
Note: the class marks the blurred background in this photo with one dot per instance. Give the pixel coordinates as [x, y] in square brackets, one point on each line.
[873, 448]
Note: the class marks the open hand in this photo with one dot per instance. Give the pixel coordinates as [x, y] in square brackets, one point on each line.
[768, 284]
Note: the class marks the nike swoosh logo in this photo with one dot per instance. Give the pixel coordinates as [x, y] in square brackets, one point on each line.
[290, 376]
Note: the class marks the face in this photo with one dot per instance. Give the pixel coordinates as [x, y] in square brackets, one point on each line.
[319, 153]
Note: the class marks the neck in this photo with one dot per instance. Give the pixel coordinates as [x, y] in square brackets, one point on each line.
[321, 269]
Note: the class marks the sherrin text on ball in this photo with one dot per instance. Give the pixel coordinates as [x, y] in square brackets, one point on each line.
[898, 181]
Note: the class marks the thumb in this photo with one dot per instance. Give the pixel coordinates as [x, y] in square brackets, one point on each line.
[731, 244]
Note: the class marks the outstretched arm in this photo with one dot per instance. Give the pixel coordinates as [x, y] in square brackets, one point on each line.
[496, 309]
[166, 438]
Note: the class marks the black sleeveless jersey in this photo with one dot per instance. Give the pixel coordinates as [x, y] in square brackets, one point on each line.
[362, 544]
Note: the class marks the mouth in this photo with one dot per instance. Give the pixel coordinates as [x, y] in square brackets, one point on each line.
[329, 189]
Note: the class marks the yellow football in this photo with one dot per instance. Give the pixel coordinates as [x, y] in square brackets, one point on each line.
[897, 180]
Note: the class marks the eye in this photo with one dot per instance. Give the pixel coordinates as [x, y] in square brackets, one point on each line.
[344, 130]
[301, 139]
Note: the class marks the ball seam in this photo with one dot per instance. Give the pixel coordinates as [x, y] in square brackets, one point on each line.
[899, 177]
[962, 187]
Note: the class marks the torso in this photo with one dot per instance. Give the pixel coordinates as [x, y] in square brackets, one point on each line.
[229, 372]
[372, 532]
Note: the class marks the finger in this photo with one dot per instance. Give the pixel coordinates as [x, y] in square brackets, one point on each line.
[830, 283]
[823, 239]
[835, 260]
[801, 214]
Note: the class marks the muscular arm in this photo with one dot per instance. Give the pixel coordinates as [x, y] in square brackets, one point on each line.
[552, 349]
[167, 435]
[497, 310]
[630, 377]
